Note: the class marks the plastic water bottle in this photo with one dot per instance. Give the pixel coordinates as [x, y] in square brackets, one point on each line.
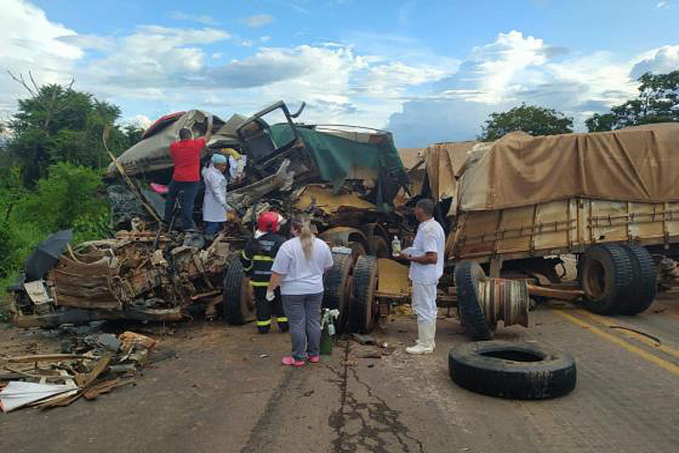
[331, 329]
[396, 246]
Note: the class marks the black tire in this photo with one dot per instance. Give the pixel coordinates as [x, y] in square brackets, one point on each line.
[467, 276]
[378, 247]
[641, 292]
[512, 370]
[363, 309]
[606, 275]
[336, 288]
[357, 250]
[237, 303]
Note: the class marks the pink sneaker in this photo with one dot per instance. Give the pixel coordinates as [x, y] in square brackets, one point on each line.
[314, 358]
[290, 361]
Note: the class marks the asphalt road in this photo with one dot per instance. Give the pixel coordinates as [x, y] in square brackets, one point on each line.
[226, 392]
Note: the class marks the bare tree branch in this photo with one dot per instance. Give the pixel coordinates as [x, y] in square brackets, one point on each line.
[35, 85]
[20, 80]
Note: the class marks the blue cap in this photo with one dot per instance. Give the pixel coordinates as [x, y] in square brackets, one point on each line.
[218, 159]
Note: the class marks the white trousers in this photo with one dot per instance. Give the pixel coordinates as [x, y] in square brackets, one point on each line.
[424, 302]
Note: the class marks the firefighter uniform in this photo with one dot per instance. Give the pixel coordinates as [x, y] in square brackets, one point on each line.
[257, 259]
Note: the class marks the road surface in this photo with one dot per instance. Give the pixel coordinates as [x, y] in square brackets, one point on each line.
[226, 392]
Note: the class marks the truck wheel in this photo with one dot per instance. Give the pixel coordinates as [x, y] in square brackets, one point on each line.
[364, 308]
[238, 302]
[378, 246]
[336, 284]
[357, 249]
[606, 275]
[467, 276]
[512, 370]
[641, 292]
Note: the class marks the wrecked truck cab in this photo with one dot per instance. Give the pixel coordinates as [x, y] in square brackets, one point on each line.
[345, 178]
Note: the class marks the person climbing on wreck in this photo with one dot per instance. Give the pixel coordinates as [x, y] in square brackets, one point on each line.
[186, 153]
[257, 259]
[298, 269]
[426, 258]
[215, 208]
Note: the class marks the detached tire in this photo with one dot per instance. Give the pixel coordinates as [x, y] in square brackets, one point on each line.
[467, 276]
[606, 276]
[512, 370]
[642, 290]
[237, 297]
[363, 309]
[336, 285]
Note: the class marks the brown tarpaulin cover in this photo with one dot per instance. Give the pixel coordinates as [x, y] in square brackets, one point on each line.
[443, 160]
[634, 164]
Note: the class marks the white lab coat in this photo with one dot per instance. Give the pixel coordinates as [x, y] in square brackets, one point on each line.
[214, 202]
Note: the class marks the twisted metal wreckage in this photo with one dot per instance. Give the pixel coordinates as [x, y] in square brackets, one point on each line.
[346, 178]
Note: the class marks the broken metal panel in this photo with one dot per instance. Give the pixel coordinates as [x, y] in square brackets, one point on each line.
[393, 278]
[84, 285]
[322, 197]
[243, 198]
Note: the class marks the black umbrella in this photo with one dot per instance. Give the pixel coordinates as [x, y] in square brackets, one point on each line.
[46, 254]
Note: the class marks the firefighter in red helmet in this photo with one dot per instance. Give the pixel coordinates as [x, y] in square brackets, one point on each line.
[257, 259]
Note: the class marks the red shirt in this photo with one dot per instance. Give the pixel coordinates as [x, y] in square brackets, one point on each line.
[186, 156]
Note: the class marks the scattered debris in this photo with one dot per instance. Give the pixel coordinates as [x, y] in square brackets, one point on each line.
[96, 364]
[363, 339]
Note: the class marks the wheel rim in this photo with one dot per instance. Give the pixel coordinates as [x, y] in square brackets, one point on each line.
[594, 279]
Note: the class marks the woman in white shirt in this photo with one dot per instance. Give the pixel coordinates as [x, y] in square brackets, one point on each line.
[214, 202]
[298, 269]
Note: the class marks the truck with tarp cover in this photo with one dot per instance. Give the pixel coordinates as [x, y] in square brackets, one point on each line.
[611, 199]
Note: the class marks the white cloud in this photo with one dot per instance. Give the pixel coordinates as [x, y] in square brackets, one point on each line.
[661, 5]
[141, 121]
[368, 79]
[258, 20]
[152, 57]
[31, 42]
[515, 68]
[658, 61]
[204, 19]
[392, 79]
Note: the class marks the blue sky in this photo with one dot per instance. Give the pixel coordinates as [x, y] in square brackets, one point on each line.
[427, 70]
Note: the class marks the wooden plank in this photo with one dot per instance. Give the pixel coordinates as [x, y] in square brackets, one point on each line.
[47, 358]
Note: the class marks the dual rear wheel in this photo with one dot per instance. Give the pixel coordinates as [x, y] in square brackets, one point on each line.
[618, 279]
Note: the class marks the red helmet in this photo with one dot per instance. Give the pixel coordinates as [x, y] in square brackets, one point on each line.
[269, 221]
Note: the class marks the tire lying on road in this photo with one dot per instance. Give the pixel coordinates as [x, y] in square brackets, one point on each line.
[512, 370]
[642, 290]
[467, 276]
[238, 303]
[606, 275]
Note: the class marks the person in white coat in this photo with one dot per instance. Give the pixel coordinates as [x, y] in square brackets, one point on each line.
[215, 207]
[426, 258]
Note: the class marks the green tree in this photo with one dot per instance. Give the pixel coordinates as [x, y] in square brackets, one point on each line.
[58, 124]
[67, 197]
[657, 102]
[531, 119]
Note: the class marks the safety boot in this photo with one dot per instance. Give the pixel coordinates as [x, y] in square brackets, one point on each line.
[425, 341]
